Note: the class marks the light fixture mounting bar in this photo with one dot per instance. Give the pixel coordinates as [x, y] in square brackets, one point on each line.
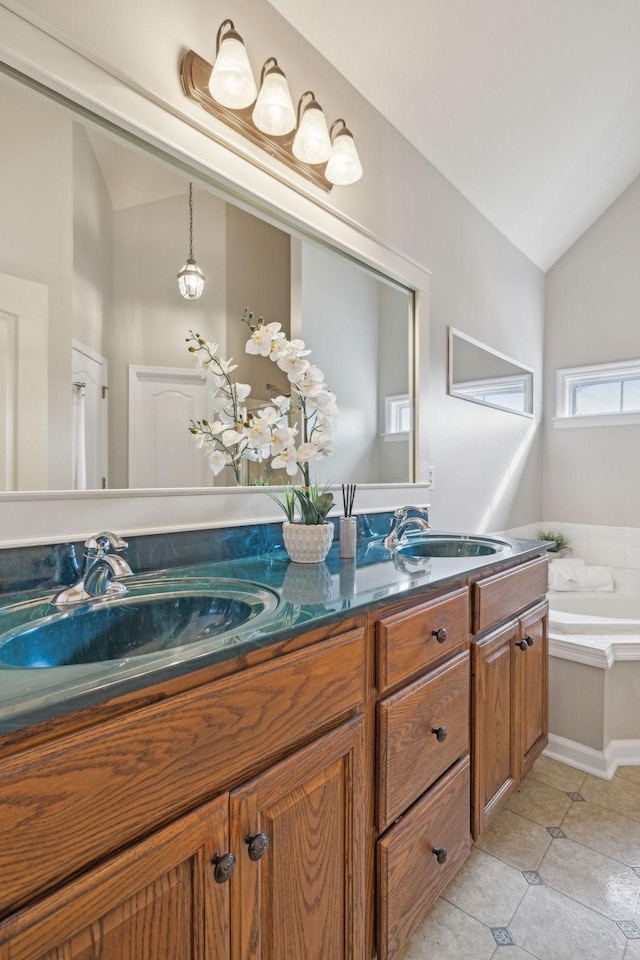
[195, 73]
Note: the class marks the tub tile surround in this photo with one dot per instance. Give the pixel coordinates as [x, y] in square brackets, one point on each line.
[617, 547]
[586, 903]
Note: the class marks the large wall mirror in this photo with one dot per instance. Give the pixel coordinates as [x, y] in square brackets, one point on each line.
[482, 375]
[97, 388]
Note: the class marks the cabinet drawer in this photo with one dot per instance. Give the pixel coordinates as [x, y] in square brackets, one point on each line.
[102, 788]
[499, 597]
[410, 755]
[410, 878]
[410, 641]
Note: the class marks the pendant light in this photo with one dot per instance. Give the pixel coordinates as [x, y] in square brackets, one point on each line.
[311, 143]
[344, 165]
[273, 112]
[232, 82]
[191, 278]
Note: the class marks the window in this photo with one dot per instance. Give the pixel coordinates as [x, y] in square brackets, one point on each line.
[606, 392]
[397, 416]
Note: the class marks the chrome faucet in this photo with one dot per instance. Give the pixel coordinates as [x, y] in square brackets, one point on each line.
[103, 571]
[402, 520]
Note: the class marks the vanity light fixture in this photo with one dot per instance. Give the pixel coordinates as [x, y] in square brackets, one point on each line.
[344, 165]
[228, 92]
[273, 112]
[191, 278]
[231, 82]
[311, 143]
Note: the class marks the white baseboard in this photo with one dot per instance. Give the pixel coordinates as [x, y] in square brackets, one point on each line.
[600, 763]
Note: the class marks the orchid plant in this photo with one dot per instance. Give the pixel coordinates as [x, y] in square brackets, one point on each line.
[293, 430]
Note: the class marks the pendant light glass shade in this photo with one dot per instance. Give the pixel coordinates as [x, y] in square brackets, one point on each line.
[191, 278]
[312, 143]
[232, 82]
[273, 112]
[344, 165]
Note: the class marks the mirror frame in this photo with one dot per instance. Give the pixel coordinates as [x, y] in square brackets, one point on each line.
[453, 332]
[178, 134]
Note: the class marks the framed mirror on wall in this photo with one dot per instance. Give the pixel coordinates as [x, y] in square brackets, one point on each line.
[482, 375]
[96, 228]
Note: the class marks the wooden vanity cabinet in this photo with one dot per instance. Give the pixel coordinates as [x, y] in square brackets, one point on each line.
[293, 831]
[509, 700]
[273, 869]
[422, 775]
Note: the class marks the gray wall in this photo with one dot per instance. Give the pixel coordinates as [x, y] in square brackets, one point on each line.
[487, 462]
[593, 296]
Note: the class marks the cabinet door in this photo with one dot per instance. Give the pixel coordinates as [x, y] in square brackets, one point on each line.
[494, 733]
[158, 899]
[532, 704]
[302, 898]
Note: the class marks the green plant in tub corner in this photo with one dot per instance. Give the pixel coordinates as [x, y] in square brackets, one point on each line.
[560, 541]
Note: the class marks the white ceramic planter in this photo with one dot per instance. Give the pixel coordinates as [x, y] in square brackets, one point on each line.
[307, 543]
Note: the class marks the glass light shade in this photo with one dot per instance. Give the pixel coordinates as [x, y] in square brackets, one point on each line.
[232, 82]
[312, 143]
[191, 280]
[273, 112]
[344, 165]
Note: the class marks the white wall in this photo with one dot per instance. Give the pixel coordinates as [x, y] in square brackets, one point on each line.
[340, 327]
[151, 321]
[593, 297]
[39, 244]
[487, 462]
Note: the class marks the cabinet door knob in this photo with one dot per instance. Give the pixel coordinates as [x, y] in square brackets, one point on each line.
[440, 635]
[522, 644]
[224, 864]
[440, 853]
[258, 844]
[440, 733]
[528, 641]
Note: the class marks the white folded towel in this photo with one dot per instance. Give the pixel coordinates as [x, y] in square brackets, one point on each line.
[577, 575]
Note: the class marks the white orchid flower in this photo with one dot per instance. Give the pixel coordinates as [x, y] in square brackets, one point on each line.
[288, 460]
[294, 367]
[258, 434]
[242, 391]
[265, 339]
[231, 437]
[283, 404]
[281, 438]
[308, 451]
[218, 460]
[227, 366]
[326, 403]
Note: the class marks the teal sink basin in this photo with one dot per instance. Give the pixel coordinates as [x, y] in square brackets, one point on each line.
[154, 616]
[450, 546]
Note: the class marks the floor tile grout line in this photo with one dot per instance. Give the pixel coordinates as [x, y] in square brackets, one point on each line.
[587, 846]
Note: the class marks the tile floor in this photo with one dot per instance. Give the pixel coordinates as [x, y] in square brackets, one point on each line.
[555, 877]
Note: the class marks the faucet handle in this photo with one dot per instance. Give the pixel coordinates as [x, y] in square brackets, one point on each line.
[99, 545]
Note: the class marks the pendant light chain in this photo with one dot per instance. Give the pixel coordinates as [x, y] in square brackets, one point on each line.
[191, 278]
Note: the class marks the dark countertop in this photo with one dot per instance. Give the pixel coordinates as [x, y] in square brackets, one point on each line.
[305, 596]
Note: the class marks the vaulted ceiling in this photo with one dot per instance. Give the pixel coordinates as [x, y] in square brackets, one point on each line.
[531, 108]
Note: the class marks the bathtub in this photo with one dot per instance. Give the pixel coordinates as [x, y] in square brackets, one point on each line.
[594, 637]
[594, 614]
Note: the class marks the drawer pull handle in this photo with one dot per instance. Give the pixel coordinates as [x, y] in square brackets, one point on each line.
[440, 853]
[529, 641]
[224, 864]
[440, 733]
[440, 635]
[522, 644]
[258, 845]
